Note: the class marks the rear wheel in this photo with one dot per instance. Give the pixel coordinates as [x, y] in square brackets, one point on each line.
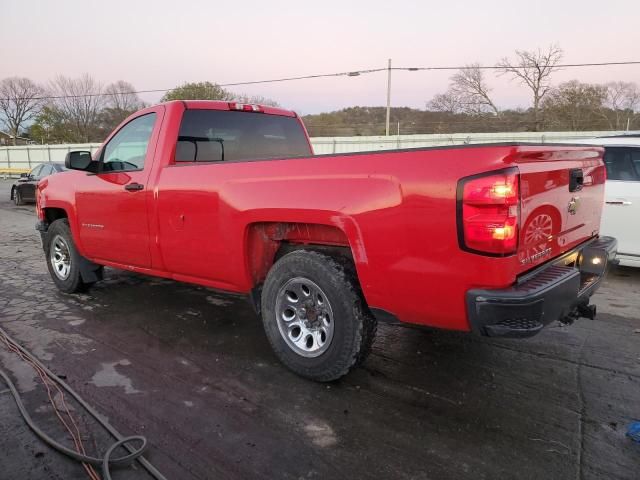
[63, 260]
[17, 197]
[315, 317]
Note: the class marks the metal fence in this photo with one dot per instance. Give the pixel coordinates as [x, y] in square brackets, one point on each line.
[27, 156]
[359, 144]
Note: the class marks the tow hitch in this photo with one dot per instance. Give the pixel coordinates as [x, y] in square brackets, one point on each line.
[582, 310]
[587, 311]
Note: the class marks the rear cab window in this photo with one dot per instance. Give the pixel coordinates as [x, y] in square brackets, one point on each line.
[223, 135]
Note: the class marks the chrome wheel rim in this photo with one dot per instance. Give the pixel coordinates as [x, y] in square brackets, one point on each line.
[304, 317]
[60, 257]
[540, 229]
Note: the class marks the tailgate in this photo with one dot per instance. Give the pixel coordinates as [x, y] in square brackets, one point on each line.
[562, 196]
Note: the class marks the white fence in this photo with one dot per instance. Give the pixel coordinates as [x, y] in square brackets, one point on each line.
[27, 156]
[24, 157]
[359, 144]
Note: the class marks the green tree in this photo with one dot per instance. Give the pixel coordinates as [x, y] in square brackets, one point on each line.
[198, 91]
[50, 126]
[574, 105]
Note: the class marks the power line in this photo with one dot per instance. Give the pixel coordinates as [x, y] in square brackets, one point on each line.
[517, 67]
[234, 84]
[353, 73]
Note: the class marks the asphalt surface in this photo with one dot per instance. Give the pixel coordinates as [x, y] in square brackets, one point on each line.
[191, 369]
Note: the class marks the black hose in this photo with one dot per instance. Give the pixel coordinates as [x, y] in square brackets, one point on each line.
[106, 461]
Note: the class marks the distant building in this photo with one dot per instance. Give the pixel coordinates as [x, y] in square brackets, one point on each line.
[6, 140]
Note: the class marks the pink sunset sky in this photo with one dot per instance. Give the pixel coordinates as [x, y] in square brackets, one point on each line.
[160, 44]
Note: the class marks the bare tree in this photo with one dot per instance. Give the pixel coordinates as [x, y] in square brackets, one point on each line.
[468, 93]
[447, 102]
[534, 69]
[121, 96]
[623, 98]
[20, 101]
[470, 86]
[79, 101]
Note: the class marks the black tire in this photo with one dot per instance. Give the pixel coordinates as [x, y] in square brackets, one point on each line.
[72, 283]
[354, 327]
[17, 198]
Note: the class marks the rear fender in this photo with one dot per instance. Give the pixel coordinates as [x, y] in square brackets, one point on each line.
[265, 239]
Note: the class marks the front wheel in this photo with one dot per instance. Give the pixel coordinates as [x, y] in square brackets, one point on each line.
[63, 260]
[315, 317]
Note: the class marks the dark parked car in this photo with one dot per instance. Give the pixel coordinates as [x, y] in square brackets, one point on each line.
[24, 189]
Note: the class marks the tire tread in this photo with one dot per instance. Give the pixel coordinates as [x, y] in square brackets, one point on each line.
[343, 275]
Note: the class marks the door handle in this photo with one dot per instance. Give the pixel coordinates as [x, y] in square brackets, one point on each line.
[133, 187]
[624, 203]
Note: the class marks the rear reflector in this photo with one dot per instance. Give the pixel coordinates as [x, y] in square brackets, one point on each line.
[488, 211]
[245, 107]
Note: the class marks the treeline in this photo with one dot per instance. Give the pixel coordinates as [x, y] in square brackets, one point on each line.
[468, 104]
[78, 110]
[567, 111]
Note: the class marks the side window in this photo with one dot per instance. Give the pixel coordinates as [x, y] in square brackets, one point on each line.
[46, 171]
[35, 172]
[128, 148]
[622, 163]
[635, 159]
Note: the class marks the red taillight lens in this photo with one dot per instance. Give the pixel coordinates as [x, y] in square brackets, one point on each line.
[488, 213]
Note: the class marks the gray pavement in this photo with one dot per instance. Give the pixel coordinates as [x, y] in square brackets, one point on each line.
[191, 369]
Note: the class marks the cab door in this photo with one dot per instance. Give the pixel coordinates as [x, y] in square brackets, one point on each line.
[27, 187]
[112, 204]
[622, 199]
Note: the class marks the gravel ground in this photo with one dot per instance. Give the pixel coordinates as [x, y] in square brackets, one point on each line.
[191, 369]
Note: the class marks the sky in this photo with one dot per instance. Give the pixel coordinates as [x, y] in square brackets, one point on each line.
[160, 44]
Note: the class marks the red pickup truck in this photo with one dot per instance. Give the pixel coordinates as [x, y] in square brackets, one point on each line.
[497, 239]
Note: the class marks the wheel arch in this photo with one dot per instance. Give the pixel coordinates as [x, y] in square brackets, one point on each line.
[266, 242]
[63, 210]
[51, 214]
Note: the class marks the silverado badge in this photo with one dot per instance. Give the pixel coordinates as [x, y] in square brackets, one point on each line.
[573, 205]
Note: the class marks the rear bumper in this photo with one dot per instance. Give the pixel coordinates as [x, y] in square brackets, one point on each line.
[559, 290]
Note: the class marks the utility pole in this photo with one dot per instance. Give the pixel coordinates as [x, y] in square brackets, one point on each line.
[388, 97]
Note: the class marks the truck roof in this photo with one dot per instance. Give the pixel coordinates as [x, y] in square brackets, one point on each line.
[223, 105]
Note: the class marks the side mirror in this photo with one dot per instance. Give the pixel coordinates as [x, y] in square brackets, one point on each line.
[24, 175]
[79, 160]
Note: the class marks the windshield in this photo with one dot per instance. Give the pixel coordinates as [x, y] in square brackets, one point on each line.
[221, 135]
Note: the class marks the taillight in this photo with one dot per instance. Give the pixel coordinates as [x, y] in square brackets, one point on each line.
[245, 107]
[488, 210]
